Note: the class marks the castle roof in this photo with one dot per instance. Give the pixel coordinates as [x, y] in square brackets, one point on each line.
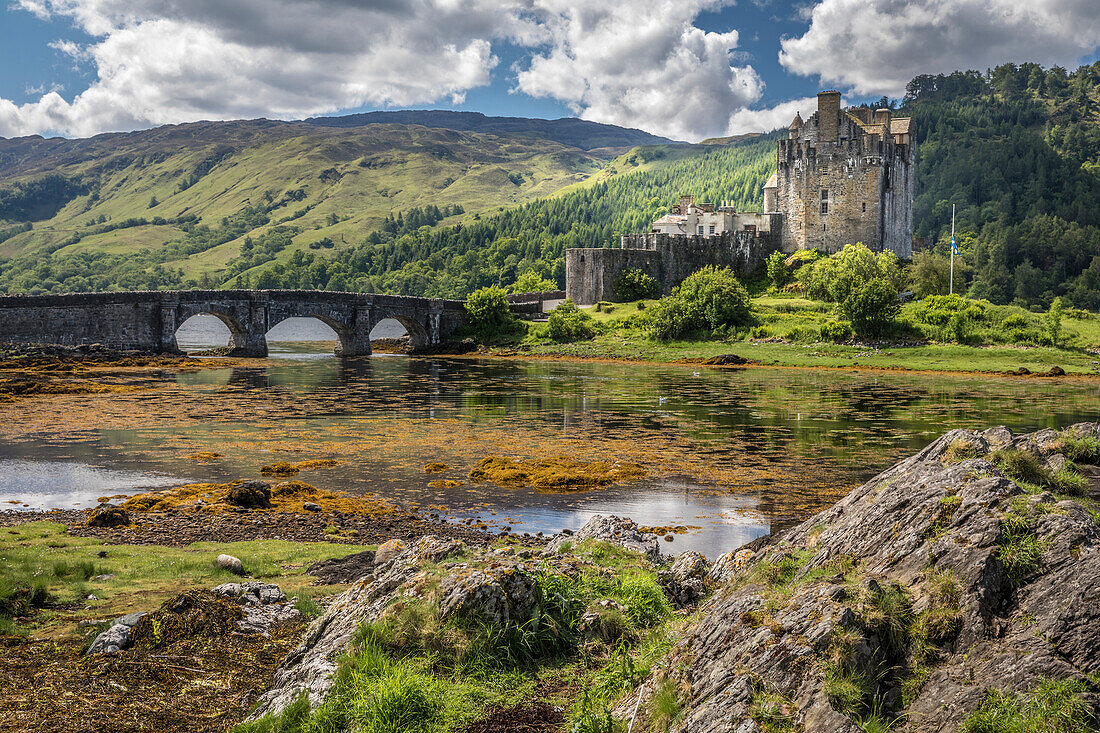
[671, 219]
[900, 125]
[773, 182]
[797, 122]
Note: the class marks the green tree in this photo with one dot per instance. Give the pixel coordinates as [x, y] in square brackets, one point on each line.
[834, 278]
[569, 323]
[634, 284]
[778, 272]
[488, 313]
[871, 306]
[929, 274]
[1053, 322]
[532, 282]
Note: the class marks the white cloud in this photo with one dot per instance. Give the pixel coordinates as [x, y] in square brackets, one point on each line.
[642, 64]
[876, 46]
[167, 61]
[766, 120]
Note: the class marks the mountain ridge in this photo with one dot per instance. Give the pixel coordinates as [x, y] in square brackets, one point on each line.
[573, 131]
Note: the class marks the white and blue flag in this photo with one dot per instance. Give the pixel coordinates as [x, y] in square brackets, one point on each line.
[954, 247]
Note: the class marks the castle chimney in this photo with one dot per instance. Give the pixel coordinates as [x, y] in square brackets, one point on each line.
[882, 117]
[828, 117]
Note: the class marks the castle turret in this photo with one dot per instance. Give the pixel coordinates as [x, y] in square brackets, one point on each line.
[795, 128]
[828, 117]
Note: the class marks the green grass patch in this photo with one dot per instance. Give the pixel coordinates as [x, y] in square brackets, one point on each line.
[41, 559]
[1053, 706]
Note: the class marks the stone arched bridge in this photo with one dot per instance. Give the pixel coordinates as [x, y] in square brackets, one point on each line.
[148, 320]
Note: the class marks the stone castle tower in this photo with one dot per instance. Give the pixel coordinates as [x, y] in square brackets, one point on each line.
[845, 176]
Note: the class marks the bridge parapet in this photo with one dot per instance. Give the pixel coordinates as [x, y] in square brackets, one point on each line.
[148, 320]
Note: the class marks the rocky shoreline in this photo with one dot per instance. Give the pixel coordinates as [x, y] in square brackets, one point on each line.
[955, 591]
[181, 528]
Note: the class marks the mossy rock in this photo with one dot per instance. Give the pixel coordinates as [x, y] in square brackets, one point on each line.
[106, 515]
[250, 495]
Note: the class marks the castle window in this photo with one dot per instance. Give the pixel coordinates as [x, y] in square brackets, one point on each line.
[865, 207]
[824, 194]
[712, 229]
[824, 207]
[700, 229]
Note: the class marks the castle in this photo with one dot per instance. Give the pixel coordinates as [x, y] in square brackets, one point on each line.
[842, 176]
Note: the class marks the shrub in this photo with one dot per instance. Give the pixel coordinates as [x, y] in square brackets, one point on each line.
[667, 319]
[488, 313]
[836, 331]
[1014, 321]
[714, 297]
[634, 284]
[872, 306]
[835, 278]
[801, 333]
[777, 269]
[569, 323]
[761, 332]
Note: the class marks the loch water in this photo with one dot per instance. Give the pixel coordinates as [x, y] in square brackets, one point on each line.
[730, 453]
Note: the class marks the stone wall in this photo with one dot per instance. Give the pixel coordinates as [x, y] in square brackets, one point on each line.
[147, 321]
[668, 258]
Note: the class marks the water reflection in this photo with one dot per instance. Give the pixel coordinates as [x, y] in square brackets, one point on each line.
[732, 453]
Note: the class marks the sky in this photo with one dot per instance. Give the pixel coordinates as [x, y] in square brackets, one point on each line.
[685, 69]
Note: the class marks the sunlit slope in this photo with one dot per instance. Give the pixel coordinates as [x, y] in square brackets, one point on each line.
[327, 182]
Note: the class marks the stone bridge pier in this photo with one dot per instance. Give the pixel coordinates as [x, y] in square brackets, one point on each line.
[148, 320]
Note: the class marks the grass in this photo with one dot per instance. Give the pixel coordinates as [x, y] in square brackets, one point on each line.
[1020, 552]
[417, 670]
[798, 322]
[1080, 449]
[42, 558]
[1032, 476]
[1052, 706]
[774, 713]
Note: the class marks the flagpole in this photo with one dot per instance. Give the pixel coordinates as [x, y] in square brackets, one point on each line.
[951, 283]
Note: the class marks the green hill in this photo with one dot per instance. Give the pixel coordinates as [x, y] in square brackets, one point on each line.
[1017, 150]
[139, 209]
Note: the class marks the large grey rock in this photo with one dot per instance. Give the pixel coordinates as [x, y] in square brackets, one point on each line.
[685, 581]
[113, 640]
[499, 596]
[909, 527]
[615, 530]
[310, 667]
[264, 605]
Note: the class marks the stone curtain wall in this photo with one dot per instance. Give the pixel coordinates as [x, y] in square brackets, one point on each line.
[590, 273]
[668, 258]
[147, 321]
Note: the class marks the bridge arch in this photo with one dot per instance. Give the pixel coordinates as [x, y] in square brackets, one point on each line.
[238, 333]
[417, 331]
[345, 334]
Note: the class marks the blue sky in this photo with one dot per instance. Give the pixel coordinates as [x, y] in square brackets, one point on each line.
[683, 68]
